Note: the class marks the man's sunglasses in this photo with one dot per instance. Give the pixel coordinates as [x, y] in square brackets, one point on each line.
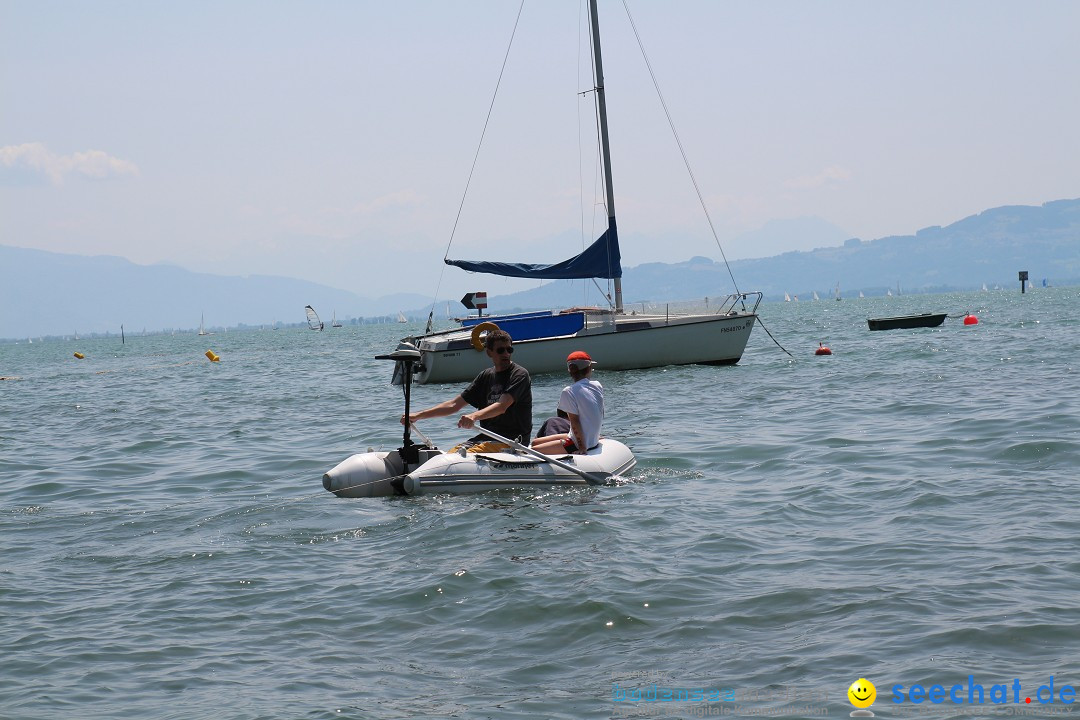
[504, 350]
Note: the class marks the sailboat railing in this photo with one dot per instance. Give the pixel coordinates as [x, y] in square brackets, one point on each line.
[735, 303]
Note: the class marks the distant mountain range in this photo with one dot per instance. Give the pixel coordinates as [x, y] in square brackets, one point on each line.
[45, 293]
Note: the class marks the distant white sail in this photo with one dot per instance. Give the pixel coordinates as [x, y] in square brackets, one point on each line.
[787, 298]
[313, 320]
[202, 325]
[401, 317]
[333, 320]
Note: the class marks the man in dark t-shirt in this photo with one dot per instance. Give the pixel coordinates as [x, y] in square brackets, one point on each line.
[501, 394]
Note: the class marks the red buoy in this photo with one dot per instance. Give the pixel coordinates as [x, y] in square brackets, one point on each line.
[970, 319]
[822, 350]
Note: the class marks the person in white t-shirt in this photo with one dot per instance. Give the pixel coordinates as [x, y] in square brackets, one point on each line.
[583, 402]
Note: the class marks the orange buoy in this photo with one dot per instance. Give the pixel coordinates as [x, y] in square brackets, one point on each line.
[970, 319]
[822, 350]
[212, 356]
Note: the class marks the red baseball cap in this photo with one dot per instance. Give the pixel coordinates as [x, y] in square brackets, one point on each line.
[579, 359]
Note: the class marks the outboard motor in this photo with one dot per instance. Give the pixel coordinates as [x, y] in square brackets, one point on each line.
[406, 355]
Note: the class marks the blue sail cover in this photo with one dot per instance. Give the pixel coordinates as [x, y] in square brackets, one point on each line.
[599, 260]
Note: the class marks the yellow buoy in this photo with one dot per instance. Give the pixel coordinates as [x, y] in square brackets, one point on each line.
[212, 356]
[79, 355]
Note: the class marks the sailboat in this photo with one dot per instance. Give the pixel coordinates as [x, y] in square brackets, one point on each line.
[816, 295]
[620, 341]
[333, 320]
[202, 324]
[837, 292]
[313, 321]
[401, 317]
[787, 298]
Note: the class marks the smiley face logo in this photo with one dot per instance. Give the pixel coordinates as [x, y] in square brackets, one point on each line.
[862, 693]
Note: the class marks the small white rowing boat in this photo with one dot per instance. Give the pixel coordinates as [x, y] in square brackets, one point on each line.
[415, 469]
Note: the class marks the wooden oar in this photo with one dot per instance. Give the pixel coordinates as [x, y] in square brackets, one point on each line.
[588, 477]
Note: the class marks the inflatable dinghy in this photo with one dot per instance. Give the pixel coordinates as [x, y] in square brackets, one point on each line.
[415, 469]
[380, 474]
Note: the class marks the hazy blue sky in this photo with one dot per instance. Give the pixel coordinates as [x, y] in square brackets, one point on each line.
[331, 140]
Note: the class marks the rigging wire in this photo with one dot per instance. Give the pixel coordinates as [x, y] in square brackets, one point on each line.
[476, 157]
[678, 142]
[581, 154]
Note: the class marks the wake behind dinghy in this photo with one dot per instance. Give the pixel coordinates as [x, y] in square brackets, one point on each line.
[416, 469]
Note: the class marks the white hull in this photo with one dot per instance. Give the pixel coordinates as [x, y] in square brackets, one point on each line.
[383, 474]
[639, 342]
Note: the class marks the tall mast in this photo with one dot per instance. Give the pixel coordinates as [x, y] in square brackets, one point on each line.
[605, 149]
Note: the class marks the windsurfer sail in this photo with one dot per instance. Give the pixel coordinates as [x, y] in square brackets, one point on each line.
[313, 320]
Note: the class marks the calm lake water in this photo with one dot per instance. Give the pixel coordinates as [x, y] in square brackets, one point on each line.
[904, 510]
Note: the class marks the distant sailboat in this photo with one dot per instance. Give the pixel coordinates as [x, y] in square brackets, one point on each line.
[787, 298]
[838, 292]
[333, 320]
[313, 321]
[202, 324]
[984, 288]
[816, 295]
[860, 294]
[401, 318]
[888, 293]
